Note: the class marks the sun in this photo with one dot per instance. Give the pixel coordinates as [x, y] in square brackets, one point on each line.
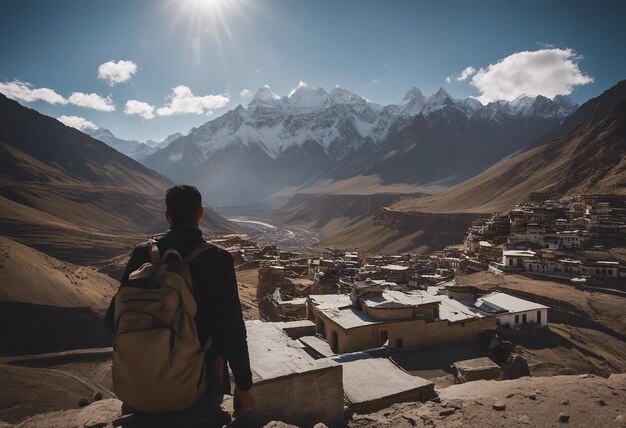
[209, 21]
[206, 5]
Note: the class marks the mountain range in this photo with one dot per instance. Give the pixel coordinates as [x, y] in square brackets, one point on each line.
[586, 154]
[132, 148]
[290, 142]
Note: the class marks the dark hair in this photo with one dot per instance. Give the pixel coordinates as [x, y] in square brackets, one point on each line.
[183, 202]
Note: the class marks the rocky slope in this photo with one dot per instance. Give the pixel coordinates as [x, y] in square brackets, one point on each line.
[390, 231]
[328, 214]
[50, 305]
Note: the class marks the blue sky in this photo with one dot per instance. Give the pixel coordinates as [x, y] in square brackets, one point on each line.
[378, 49]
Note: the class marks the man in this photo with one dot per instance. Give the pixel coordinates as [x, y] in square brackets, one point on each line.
[215, 292]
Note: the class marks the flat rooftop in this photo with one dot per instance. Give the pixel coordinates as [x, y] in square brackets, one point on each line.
[501, 302]
[456, 310]
[399, 299]
[327, 301]
[395, 268]
[375, 383]
[349, 317]
[317, 345]
[519, 253]
[273, 354]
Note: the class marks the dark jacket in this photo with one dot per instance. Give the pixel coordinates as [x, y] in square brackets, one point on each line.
[215, 292]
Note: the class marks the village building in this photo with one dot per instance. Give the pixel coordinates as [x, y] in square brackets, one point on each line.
[487, 252]
[372, 384]
[512, 311]
[395, 273]
[539, 266]
[570, 267]
[514, 259]
[569, 240]
[285, 378]
[373, 317]
[482, 368]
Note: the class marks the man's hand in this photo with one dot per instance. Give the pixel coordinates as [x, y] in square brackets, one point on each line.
[242, 402]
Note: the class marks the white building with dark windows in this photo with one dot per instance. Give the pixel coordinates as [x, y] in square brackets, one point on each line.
[512, 311]
[514, 259]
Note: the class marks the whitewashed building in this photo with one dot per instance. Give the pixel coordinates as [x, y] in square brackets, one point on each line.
[512, 311]
[513, 259]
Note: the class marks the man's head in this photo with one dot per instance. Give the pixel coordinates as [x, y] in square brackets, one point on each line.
[183, 205]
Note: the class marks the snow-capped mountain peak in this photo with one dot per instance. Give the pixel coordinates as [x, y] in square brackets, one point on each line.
[415, 96]
[265, 97]
[333, 125]
[440, 96]
[305, 99]
[341, 95]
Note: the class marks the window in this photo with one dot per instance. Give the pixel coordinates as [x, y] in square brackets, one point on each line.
[538, 317]
[322, 329]
[399, 343]
[383, 337]
[516, 319]
[335, 342]
[523, 318]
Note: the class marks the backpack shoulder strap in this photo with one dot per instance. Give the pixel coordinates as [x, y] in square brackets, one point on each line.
[155, 255]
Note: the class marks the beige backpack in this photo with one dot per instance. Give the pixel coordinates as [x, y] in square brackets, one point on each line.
[158, 361]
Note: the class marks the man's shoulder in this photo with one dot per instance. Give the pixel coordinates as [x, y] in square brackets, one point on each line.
[216, 252]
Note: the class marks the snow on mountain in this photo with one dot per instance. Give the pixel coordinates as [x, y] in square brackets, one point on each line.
[273, 130]
[304, 100]
[131, 148]
[164, 143]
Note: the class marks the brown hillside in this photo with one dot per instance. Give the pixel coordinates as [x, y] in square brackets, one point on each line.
[49, 305]
[591, 158]
[72, 196]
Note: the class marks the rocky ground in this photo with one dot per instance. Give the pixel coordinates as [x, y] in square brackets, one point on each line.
[580, 400]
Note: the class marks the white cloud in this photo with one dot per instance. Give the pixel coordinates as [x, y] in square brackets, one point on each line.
[301, 84]
[463, 75]
[183, 101]
[547, 72]
[375, 80]
[77, 122]
[114, 72]
[245, 93]
[24, 91]
[93, 101]
[140, 108]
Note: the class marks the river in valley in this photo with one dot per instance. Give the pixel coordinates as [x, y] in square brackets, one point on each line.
[284, 237]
